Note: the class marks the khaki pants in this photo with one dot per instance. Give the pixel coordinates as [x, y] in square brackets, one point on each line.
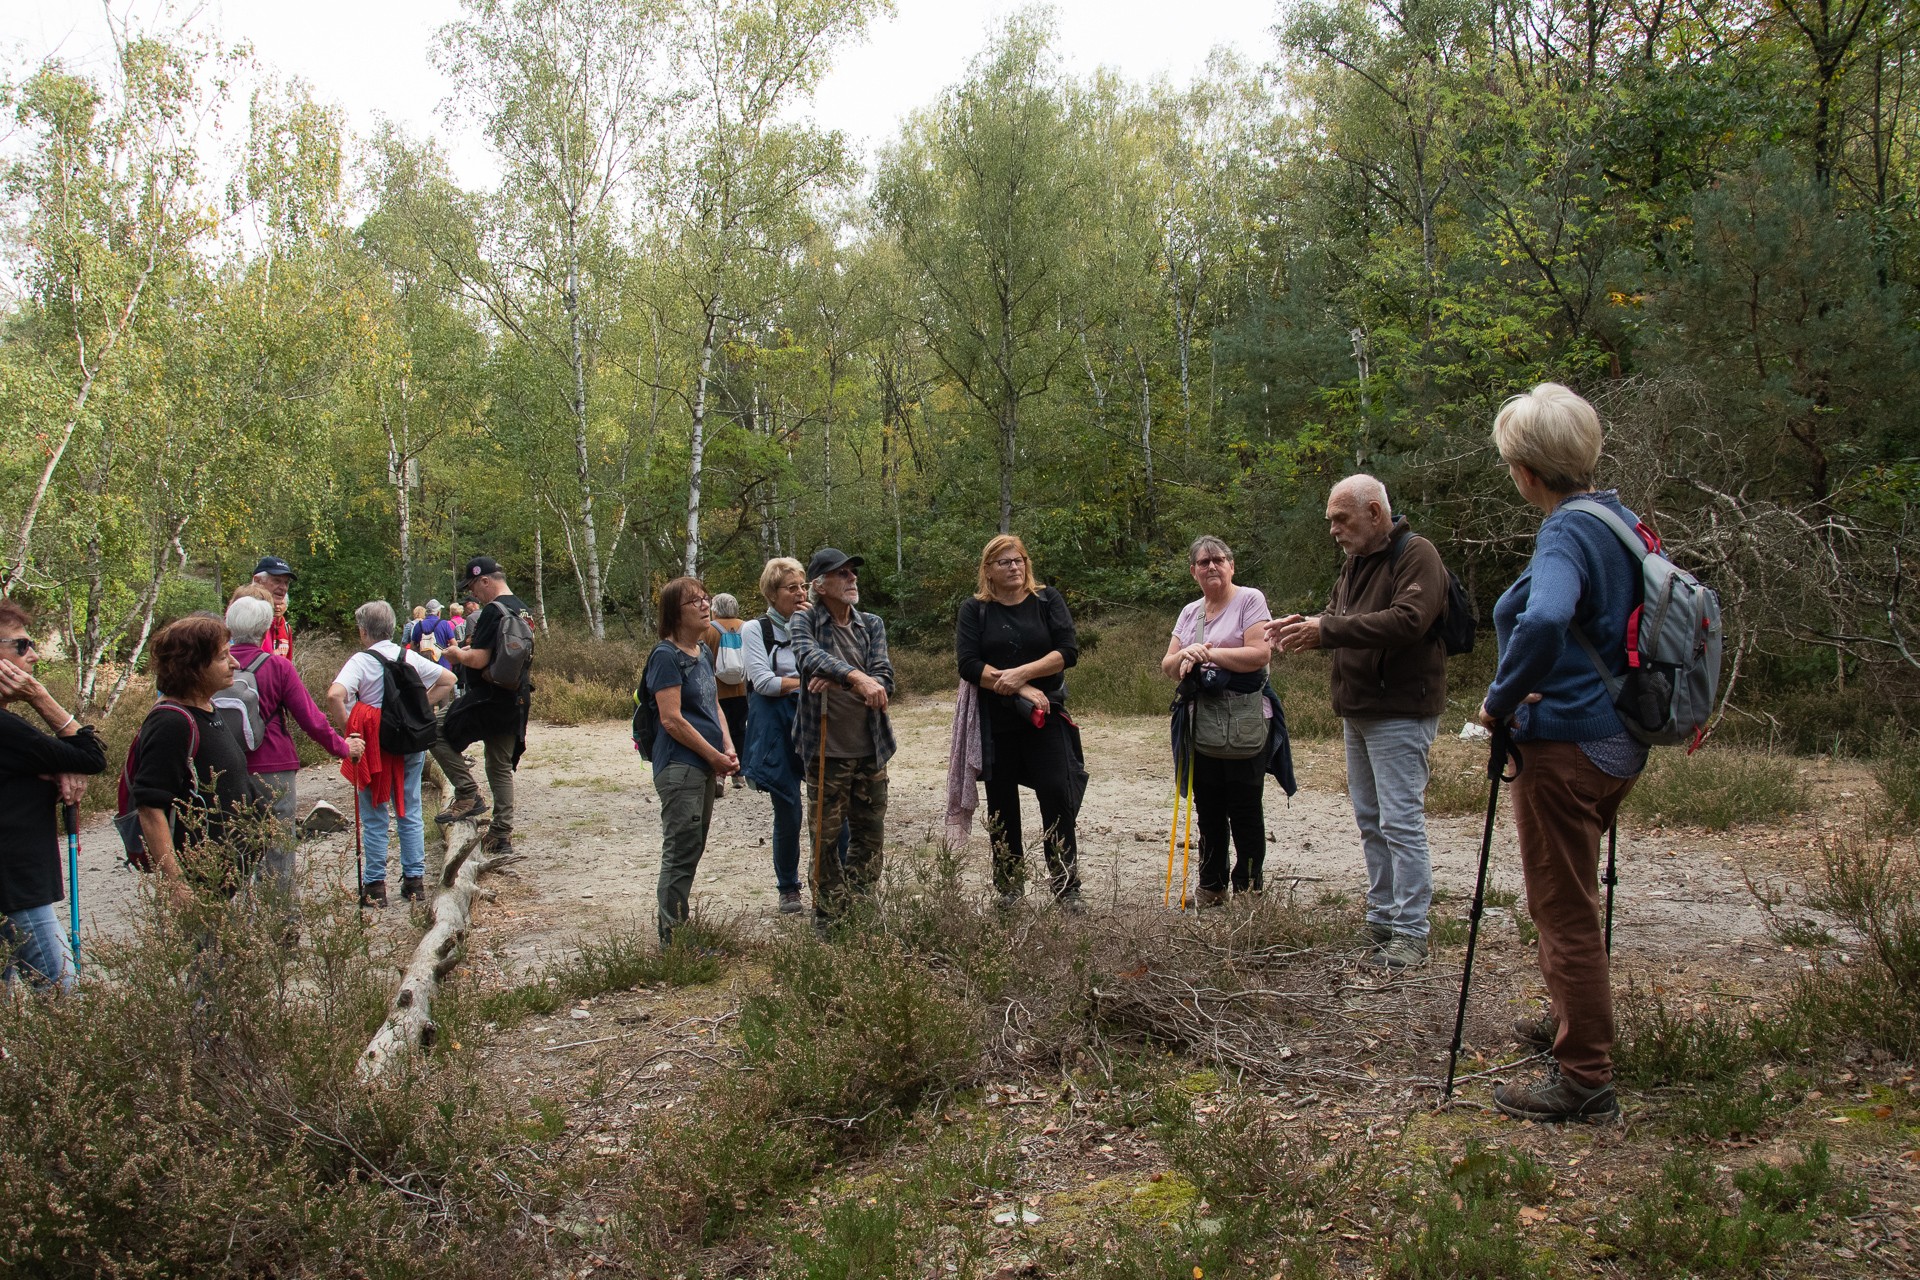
[498, 751]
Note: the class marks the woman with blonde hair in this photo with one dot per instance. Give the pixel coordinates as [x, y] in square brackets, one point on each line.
[1576, 759]
[767, 758]
[1014, 639]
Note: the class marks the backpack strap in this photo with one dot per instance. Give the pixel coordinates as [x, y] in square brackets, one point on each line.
[259, 661]
[1633, 543]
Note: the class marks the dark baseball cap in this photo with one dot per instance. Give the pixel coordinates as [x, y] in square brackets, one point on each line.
[482, 567]
[275, 565]
[827, 559]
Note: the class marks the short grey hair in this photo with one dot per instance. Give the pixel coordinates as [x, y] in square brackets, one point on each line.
[375, 620]
[725, 606]
[248, 619]
[1208, 545]
[1359, 490]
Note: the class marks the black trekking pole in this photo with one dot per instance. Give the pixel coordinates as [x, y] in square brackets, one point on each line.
[1611, 878]
[1497, 773]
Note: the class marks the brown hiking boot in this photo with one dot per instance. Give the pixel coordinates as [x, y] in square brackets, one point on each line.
[1537, 1034]
[1208, 899]
[1554, 1099]
[462, 809]
[373, 894]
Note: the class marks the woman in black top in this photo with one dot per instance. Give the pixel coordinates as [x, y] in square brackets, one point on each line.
[196, 799]
[1014, 639]
[38, 771]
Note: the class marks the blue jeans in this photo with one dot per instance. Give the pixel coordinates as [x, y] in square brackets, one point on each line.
[33, 945]
[1387, 771]
[374, 820]
[786, 842]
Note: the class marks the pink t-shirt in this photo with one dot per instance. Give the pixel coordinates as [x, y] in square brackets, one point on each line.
[1228, 629]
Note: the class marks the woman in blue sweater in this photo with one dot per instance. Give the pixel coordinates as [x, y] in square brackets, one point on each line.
[1579, 760]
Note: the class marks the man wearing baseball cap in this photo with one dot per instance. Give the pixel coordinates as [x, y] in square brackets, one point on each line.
[487, 713]
[276, 575]
[844, 737]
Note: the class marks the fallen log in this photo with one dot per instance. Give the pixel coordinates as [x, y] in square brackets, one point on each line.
[409, 1023]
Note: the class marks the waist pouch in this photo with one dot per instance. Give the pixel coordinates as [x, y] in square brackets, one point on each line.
[1230, 726]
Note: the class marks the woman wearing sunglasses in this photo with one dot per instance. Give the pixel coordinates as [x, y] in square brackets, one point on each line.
[39, 771]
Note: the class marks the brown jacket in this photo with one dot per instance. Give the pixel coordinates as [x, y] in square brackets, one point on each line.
[1378, 629]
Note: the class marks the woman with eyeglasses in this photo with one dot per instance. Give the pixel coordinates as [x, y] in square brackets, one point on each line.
[1219, 653]
[692, 749]
[39, 771]
[1014, 639]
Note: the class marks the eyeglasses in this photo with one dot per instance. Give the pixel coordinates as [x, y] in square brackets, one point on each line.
[707, 601]
[1207, 562]
[21, 645]
[1009, 562]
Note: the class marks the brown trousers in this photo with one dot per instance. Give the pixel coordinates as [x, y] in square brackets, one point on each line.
[1562, 804]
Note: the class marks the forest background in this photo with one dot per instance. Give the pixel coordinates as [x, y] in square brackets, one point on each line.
[687, 329]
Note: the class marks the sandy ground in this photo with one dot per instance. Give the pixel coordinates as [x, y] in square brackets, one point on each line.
[588, 826]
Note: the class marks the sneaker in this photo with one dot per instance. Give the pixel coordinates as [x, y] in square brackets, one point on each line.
[413, 889]
[373, 894]
[1537, 1034]
[1554, 1099]
[1208, 899]
[790, 902]
[462, 809]
[1402, 951]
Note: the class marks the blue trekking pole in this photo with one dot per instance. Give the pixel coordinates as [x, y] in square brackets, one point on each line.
[70, 814]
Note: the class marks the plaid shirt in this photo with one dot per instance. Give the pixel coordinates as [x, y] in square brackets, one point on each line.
[816, 660]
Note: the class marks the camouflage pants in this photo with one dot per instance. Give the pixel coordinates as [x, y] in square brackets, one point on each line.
[855, 793]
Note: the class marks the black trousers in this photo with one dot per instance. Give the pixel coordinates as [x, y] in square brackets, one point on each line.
[1227, 797]
[1038, 759]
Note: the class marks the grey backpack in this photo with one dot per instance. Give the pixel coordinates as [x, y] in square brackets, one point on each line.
[1673, 644]
[512, 649]
[241, 703]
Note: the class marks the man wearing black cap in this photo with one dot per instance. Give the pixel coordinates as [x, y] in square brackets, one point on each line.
[276, 575]
[493, 715]
[844, 736]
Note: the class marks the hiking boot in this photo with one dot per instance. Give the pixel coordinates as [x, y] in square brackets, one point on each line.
[1537, 1034]
[413, 888]
[1402, 951]
[1554, 1099]
[1070, 903]
[374, 894]
[1208, 899]
[1008, 899]
[462, 809]
[497, 846]
[1375, 936]
[790, 902]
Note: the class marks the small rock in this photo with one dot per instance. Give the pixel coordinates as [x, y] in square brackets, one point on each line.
[322, 819]
[580, 1015]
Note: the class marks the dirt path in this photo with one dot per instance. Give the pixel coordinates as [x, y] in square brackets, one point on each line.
[589, 827]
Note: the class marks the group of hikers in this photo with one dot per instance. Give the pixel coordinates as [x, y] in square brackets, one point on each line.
[796, 701]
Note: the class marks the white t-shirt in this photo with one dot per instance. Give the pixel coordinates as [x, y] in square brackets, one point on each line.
[362, 675]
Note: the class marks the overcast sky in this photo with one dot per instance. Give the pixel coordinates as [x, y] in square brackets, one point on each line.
[370, 56]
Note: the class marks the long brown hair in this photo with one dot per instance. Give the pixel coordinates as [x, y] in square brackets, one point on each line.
[997, 546]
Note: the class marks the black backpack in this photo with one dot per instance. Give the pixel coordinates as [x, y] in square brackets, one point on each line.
[1454, 626]
[406, 717]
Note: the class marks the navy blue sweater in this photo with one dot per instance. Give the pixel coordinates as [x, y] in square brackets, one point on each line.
[1580, 573]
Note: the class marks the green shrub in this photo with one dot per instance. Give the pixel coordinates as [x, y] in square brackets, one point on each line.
[1689, 1223]
[196, 1112]
[1716, 789]
[1897, 770]
[1465, 1226]
[619, 958]
[1661, 1045]
[1873, 887]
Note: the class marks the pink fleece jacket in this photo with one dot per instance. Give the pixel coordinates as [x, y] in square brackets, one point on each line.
[280, 686]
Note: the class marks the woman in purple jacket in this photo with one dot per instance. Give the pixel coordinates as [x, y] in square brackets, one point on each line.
[275, 762]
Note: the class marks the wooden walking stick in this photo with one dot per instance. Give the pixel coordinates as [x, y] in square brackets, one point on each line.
[820, 809]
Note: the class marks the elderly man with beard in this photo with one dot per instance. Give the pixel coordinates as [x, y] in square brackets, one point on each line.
[842, 734]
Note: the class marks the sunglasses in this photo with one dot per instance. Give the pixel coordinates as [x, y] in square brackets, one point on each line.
[21, 645]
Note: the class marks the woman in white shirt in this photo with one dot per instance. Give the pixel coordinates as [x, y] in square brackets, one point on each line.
[361, 684]
[769, 761]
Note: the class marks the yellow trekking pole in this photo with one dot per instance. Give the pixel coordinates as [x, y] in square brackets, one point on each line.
[1173, 838]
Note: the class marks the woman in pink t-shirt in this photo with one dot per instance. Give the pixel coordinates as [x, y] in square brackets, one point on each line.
[1224, 630]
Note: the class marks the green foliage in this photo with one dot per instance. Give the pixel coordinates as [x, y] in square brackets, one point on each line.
[1872, 885]
[1897, 770]
[618, 958]
[1466, 1223]
[1689, 1223]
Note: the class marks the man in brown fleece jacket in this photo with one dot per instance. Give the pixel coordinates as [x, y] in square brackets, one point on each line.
[1389, 686]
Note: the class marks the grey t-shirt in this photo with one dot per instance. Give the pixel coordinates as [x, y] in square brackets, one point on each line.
[849, 735]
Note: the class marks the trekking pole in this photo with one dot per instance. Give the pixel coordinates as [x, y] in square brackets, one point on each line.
[1186, 843]
[820, 811]
[1496, 774]
[1612, 878]
[70, 814]
[359, 873]
[1173, 834]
